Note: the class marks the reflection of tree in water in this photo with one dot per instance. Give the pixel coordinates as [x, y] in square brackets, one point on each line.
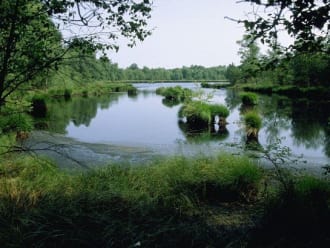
[204, 133]
[106, 101]
[78, 110]
[275, 111]
[83, 111]
[232, 99]
[170, 103]
[327, 139]
[309, 121]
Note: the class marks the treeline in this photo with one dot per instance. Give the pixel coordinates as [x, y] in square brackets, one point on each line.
[82, 69]
[300, 69]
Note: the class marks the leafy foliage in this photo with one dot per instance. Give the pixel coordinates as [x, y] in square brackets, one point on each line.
[32, 44]
[306, 21]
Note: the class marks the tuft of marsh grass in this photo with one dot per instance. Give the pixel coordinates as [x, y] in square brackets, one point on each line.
[249, 99]
[252, 120]
[201, 113]
[176, 93]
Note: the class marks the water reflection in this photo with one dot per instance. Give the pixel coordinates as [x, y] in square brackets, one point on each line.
[202, 134]
[79, 111]
[302, 122]
[145, 118]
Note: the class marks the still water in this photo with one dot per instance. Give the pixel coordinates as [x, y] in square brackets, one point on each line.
[146, 121]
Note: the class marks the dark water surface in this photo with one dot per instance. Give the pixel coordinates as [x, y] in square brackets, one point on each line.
[98, 128]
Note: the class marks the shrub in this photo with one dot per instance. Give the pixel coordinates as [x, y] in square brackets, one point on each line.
[39, 106]
[249, 99]
[16, 122]
[67, 94]
[85, 93]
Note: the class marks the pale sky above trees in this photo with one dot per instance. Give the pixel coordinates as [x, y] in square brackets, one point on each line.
[188, 32]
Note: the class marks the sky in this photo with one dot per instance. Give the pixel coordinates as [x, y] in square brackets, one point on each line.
[187, 32]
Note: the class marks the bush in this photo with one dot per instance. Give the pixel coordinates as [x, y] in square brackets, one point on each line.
[67, 94]
[39, 106]
[249, 99]
[16, 122]
[85, 93]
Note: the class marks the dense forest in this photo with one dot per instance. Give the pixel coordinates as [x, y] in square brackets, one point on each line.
[305, 69]
[88, 69]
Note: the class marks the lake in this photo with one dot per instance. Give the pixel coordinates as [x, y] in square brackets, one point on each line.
[96, 130]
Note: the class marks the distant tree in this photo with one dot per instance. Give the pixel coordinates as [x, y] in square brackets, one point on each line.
[250, 57]
[133, 66]
[30, 41]
[233, 73]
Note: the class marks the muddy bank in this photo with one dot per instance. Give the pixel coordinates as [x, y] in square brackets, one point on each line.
[68, 153]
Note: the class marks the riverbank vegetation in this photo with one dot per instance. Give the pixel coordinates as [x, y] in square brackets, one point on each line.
[197, 202]
[299, 74]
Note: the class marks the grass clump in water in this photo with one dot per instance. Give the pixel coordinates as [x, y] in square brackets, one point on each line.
[249, 99]
[199, 113]
[176, 93]
[253, 123]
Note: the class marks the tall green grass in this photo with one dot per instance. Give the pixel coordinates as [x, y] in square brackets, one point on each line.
[157, 205]
[166, 203]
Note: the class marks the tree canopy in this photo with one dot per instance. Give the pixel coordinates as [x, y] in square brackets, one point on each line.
[35, 35]
[306, 21]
